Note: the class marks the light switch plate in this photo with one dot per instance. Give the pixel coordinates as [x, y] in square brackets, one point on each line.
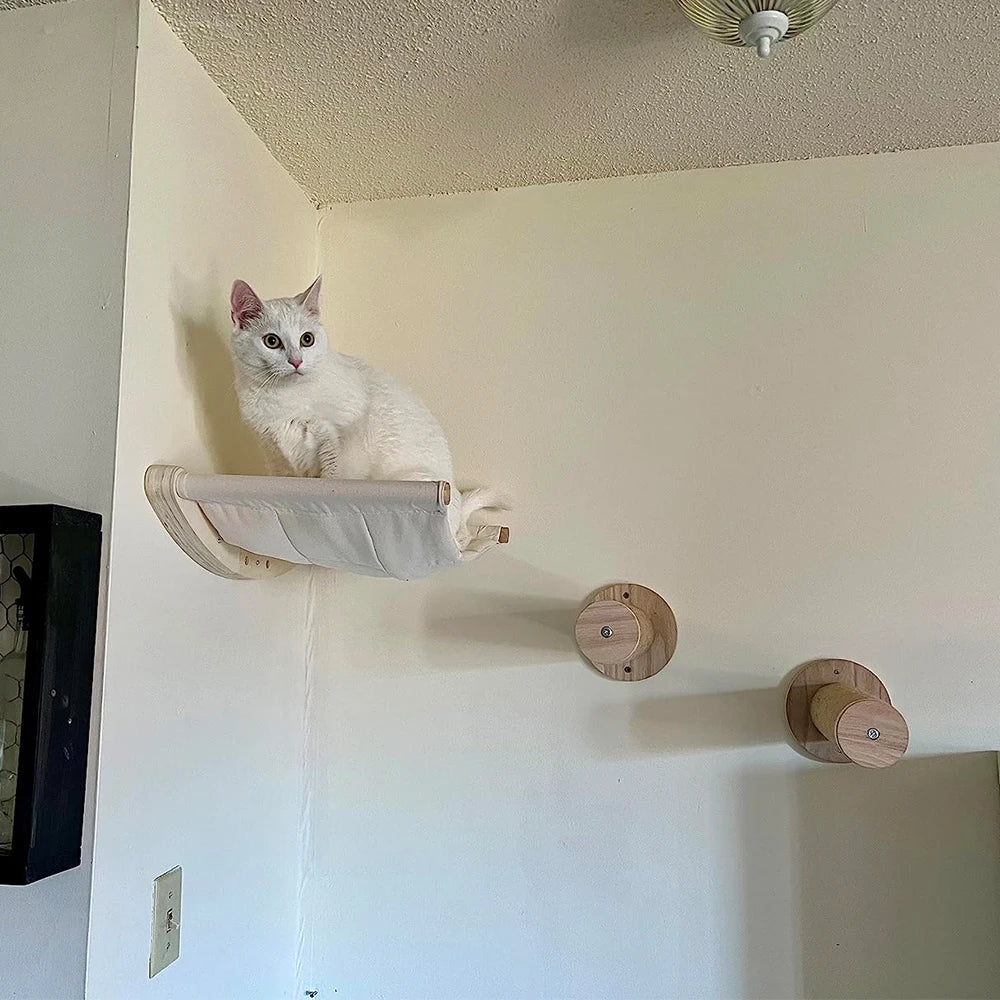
[165, 944]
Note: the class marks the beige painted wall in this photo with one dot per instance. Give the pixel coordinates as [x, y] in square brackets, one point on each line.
[785, 419]
[201, 754]
[66, 75]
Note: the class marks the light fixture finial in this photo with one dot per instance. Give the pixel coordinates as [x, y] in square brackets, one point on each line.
[761, 29]
[756, 24]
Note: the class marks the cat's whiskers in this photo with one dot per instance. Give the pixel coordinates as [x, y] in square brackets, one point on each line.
[263, 384]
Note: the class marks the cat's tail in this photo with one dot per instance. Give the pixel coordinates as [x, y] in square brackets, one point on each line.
[480, 507]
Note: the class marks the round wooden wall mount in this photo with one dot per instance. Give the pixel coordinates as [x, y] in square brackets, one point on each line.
[839, 712]
[628, 632]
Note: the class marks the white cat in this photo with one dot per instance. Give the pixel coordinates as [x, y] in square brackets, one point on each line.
[322, 413]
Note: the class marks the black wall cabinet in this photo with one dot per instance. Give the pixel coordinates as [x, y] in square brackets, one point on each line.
[50, 564]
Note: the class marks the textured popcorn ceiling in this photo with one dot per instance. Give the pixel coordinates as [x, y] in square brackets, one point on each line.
[377, 98]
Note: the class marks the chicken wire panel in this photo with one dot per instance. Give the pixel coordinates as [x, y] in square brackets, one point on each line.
[16, 570]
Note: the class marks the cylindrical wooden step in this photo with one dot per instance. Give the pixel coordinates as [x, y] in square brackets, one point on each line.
[838, 711]
[628, 632]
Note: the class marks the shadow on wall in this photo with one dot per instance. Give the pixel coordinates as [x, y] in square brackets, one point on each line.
[526, 617]
[688, 723]
[201, 324]
[631, 23]
[17, 491]
[890, 879]
[740, 714]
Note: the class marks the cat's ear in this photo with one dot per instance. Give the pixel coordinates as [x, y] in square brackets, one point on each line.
[244, 304]
[309, 299]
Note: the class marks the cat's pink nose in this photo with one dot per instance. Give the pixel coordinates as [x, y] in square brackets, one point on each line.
[295, 364]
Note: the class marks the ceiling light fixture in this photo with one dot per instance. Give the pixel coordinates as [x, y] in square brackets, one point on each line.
[757, 24]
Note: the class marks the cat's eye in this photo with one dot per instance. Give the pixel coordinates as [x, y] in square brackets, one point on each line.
[273, 341]
[307, 340]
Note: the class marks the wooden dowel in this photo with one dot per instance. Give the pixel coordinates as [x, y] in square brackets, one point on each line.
[867, 730]
[829, 703]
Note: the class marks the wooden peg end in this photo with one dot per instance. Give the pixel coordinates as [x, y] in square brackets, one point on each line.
[628, 632]
[839, 711]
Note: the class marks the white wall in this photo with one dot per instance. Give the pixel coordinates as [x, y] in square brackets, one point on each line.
[786, 421]
[66, 87]
[201, 755]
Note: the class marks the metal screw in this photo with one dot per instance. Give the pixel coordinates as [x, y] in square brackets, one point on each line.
[607, 631]
[873, 734]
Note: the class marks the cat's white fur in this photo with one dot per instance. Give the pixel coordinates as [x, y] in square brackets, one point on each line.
[322, 413]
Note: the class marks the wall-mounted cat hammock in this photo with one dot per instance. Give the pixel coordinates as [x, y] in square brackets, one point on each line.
[248, 527]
